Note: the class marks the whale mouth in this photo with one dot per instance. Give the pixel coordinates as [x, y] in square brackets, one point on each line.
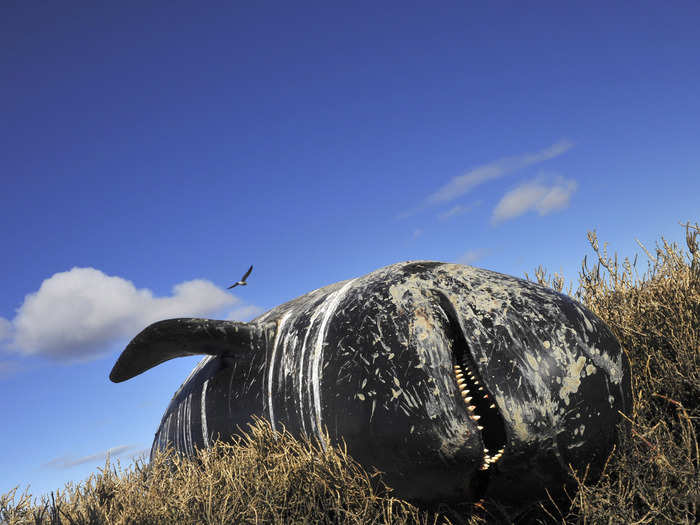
[483, 412]
[480, 405]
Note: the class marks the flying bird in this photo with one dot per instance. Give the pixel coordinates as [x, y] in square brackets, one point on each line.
[242, 281]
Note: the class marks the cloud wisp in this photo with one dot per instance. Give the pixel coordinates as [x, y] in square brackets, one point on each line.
[462, 184]
[68, 462]
[457, 210]
[534, 195]
[77, 314]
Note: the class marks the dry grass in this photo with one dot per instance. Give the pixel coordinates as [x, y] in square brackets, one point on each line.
[651, 477]
[654, 475]
[263, 477]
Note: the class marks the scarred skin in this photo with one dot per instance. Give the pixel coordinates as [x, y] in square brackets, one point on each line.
[419, 366]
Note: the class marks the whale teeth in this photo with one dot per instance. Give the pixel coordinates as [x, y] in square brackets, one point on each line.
[469, 385]
[490, 460]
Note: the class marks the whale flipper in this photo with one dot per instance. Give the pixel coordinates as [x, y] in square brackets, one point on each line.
[171, 338]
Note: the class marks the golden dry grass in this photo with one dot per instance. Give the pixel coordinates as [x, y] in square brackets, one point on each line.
[654, 475]
[263, 477]
[651, 477]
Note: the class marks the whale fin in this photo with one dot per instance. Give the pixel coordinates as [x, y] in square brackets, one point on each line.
[171, 338]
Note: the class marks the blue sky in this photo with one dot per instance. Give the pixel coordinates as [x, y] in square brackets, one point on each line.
[152, 151]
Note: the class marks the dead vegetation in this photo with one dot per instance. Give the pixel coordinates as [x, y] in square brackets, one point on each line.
[263, 477]
[651, 477]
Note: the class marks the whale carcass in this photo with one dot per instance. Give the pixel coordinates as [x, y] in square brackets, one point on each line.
[457, 382]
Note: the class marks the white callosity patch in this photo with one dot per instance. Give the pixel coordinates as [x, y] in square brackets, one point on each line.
[572, 380]
[611, 365]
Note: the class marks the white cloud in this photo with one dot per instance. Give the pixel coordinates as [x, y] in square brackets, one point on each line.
[77, 314]
[534, 195]
[472, 256]
[417, 232]
[463, 183]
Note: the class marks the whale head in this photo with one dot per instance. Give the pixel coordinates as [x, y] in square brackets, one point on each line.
[457, 383]
[461, 383]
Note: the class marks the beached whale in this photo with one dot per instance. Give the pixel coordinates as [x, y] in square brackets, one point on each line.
[456, 382]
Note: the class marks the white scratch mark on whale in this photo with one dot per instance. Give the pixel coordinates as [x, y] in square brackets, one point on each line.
[205, 433]
[271, 369]
[188, 422]
[330, 304]
[302, 390]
